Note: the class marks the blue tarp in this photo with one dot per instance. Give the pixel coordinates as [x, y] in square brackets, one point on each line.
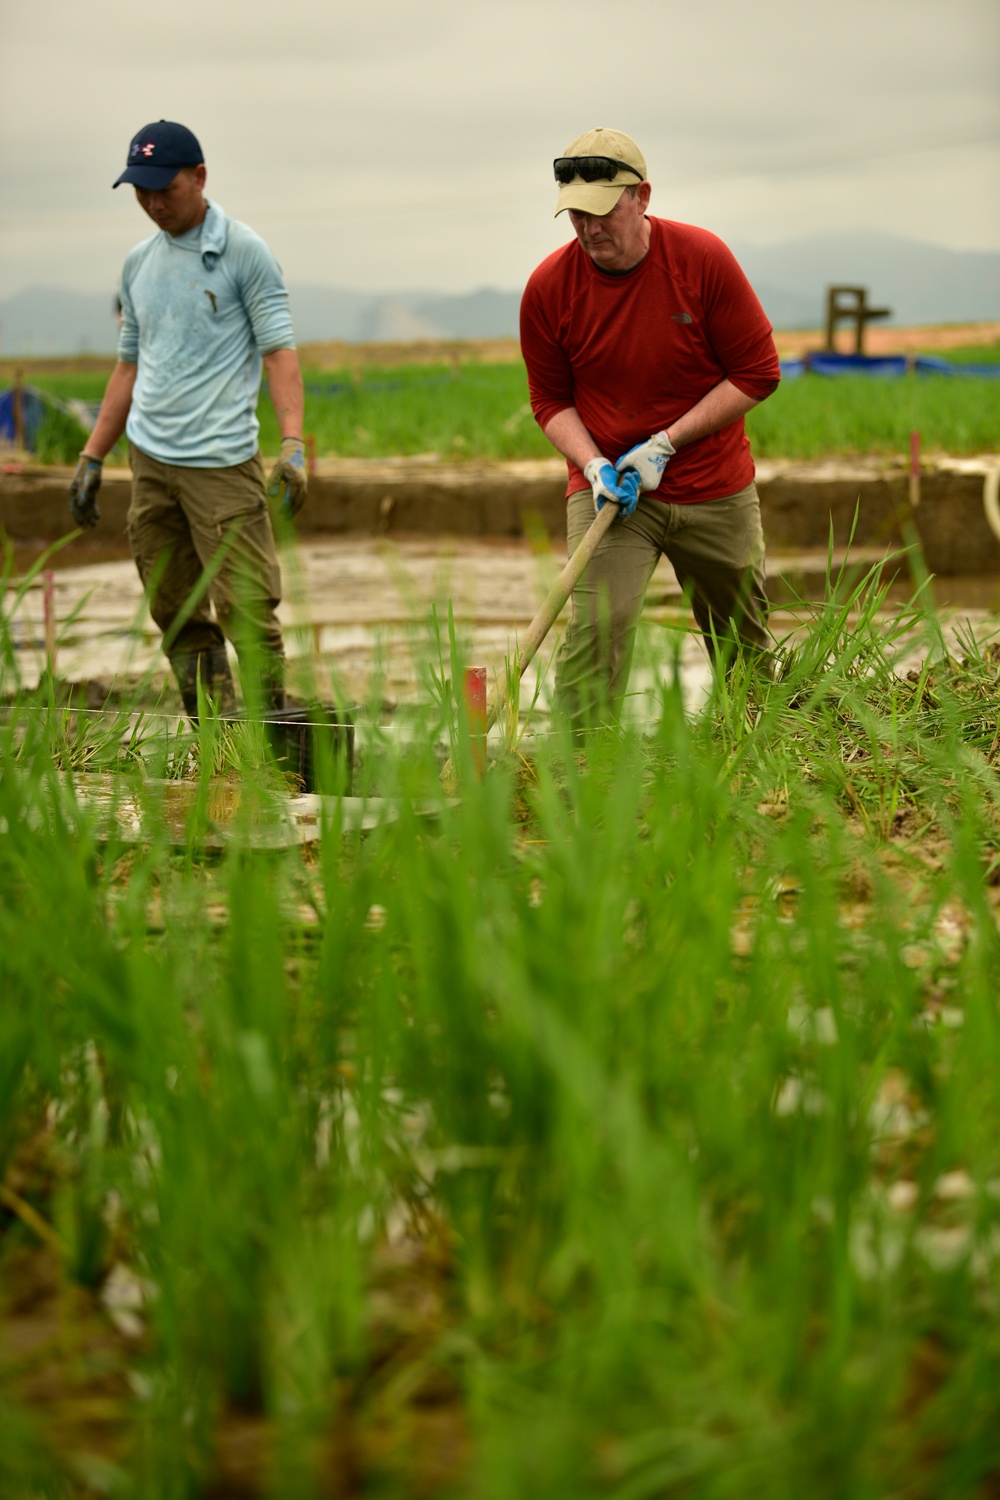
[32, 411]
[925, 365]
[33, 405]
[885, 367]
[891, 366]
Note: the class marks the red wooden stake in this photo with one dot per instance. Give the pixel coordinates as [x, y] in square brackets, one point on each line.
[474, 686]
[914, 469]
[311, 451]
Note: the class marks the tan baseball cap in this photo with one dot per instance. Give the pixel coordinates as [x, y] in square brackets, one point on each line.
[590, 194]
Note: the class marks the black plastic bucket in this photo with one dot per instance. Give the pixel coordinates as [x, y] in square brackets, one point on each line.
[315, 746]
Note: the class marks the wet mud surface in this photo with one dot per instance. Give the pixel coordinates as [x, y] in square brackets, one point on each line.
[353, 606]
[357, 607]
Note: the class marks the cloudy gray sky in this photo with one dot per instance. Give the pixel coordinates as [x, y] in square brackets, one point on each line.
[396, 145]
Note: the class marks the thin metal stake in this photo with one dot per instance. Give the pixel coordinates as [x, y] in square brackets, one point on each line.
[914, 469]
[49, 609]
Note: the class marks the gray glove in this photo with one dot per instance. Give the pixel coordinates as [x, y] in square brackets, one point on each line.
[83, 504]
[289, 480]
[649, 459]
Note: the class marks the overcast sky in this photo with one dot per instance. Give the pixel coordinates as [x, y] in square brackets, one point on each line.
[390, 145]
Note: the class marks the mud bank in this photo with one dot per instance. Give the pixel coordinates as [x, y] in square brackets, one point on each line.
[421, 496]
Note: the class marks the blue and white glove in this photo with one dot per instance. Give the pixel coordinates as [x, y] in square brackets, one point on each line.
[607, 485]
[649, 459]
[289, 479]
[83, 504]
[629, 484]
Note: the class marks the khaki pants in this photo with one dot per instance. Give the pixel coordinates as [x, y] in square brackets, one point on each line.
[183, 516]
[716, 548]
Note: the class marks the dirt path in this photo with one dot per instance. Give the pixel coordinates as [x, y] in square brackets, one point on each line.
[881, 339]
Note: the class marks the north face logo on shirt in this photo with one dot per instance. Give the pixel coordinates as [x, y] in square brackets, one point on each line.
[682, 317]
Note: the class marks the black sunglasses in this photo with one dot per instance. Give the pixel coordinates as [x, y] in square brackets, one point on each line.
[590, 168]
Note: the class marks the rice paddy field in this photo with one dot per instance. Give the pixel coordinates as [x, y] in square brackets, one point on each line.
[623, 1121]
[611, 1119]
[476, 409]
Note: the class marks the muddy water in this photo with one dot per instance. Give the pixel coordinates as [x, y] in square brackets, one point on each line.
[185, 812]
[357, 607]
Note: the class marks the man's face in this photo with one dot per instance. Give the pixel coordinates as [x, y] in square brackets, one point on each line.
[616, 241]
[180, 205]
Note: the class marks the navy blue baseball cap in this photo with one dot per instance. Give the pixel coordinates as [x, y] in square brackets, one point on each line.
[157, 153]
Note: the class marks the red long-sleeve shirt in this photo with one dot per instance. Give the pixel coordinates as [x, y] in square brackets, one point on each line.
[633, 352]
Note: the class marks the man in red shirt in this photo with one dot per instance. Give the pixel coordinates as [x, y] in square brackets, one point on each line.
[645, 346]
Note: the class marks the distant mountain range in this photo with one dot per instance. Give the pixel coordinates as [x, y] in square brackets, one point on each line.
[921, 283]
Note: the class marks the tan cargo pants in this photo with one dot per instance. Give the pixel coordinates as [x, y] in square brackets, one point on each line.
[716, 548]
[178, 521]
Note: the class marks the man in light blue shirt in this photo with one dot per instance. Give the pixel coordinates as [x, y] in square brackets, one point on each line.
[204, 309]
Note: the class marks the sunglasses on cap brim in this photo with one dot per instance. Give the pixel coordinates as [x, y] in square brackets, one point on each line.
[591, 168]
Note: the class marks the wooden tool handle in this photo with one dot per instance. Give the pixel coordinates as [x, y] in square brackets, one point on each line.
[556, 598]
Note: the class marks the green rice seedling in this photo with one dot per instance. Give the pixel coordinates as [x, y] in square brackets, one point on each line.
[60, 437]
[476, 410]
[443, 674]
[510, 715]
[810, 417]
[78, 385]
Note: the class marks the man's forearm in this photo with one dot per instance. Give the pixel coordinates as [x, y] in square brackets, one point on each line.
[114, 411]
[567, 433]
[723, 404]
[284, 384]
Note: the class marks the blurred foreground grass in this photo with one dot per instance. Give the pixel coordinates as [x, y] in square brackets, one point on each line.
[630, 1127]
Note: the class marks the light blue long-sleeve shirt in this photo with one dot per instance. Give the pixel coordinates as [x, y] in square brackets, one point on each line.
[198, 311]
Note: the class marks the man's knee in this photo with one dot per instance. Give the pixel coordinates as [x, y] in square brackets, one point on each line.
[732, 618]
[250, 622]
[166, 585]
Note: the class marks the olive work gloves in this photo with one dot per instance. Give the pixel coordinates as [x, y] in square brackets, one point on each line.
[623, 489]
[289, 480]
[83, 506]
[649, 459]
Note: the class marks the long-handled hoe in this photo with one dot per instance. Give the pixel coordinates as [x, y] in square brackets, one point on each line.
[547, 615]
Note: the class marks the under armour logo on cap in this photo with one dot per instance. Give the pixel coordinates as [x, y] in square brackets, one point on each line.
[173, 145]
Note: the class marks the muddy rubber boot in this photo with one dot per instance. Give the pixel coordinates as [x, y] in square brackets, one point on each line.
[186, 671]
[221, 688]
[216, 681]
[272, 684]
